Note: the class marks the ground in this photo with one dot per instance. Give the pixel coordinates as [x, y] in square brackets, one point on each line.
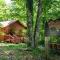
[20, 52]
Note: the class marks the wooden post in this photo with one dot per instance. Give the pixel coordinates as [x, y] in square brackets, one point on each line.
[47, 38]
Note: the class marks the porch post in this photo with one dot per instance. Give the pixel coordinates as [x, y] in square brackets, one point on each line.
[47, 38]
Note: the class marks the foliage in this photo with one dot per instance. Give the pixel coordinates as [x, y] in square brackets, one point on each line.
[52, 9]
[53, 39]
[17, 10]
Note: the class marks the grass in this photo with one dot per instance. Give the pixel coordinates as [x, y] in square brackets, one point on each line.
[9, 46]
[17, 52]
[20, 52]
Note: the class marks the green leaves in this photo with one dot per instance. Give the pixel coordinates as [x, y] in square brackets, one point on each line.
[52, 9]
[17, 10]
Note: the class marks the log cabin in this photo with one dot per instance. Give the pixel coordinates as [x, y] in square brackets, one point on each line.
[52, 32]
[12, 31]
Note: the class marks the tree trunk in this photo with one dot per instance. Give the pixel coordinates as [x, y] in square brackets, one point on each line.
[37, 26]
[29, 6]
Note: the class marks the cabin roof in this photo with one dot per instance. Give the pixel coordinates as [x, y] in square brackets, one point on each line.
[55, 23]
[52, 24]
[7, 23]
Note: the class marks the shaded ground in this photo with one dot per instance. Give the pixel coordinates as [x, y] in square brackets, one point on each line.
[17, 52]
[20, 52]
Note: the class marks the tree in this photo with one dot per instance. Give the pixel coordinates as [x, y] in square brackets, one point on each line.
[29, 5]
[36, 32]
[37, 26]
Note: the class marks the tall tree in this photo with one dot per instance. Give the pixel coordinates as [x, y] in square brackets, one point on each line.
[29, 5]
[37, 26]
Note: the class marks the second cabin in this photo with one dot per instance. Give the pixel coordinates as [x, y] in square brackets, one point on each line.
[52, 30]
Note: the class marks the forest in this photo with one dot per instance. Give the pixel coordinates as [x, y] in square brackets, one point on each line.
[30, 29]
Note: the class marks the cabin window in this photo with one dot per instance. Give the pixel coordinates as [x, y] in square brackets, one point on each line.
[53, 31]
[12, 31]
[20, 32]
[16, 31]
[2, 33]
[58, 32]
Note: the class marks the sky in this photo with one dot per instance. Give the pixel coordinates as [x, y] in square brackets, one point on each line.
[8, 2]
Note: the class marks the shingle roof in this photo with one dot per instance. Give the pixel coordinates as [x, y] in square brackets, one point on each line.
[6, 23]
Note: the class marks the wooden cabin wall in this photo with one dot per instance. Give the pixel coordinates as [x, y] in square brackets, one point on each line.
[16, 27]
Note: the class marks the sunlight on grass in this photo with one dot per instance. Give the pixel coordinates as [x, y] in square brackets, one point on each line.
[13, 46]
